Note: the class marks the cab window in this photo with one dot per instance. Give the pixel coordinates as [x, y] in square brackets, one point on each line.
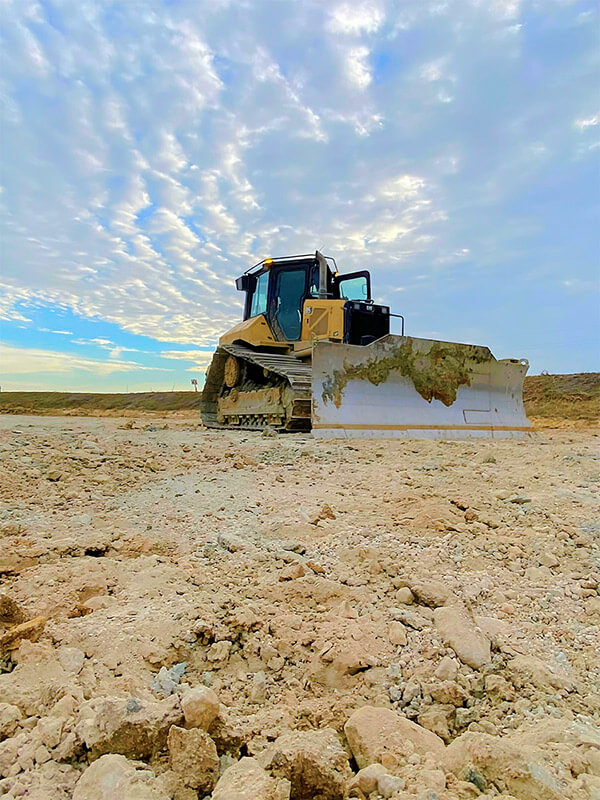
[354, 288]
[314, 281]
[259, 297]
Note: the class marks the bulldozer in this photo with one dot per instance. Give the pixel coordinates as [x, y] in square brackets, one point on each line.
[315, 352]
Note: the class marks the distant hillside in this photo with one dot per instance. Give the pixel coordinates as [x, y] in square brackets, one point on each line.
[569, 397]
[89, 404]
[573, 397]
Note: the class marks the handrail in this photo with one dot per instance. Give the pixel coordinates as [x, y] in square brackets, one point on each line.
[402, 318]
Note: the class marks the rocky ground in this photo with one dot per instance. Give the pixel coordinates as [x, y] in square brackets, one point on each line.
[189, 614]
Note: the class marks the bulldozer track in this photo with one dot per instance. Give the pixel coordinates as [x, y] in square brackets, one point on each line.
[297, 374]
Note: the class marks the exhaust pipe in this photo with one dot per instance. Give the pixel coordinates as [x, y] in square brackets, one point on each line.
[323, 270]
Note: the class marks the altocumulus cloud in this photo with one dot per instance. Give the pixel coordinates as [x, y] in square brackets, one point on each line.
[152, 151]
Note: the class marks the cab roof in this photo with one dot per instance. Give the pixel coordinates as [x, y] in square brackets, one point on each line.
[268, 262]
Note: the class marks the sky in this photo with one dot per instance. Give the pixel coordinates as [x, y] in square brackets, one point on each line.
[153, 150]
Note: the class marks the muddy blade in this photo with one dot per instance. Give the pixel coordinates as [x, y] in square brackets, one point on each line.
[403, 387]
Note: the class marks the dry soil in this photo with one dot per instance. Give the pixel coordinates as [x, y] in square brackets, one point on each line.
[301, 580]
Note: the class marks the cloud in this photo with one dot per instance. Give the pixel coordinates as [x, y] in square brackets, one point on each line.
[10, 302]
[590, 122]
[201, 358]
[30, 361]
[356, 18]
[507, 9]
[357, 67]
[434, 70]
[403, 187]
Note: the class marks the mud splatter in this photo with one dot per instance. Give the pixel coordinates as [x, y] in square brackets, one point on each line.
[436, 373]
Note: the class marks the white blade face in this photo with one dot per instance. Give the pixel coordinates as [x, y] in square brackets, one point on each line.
[403, 387]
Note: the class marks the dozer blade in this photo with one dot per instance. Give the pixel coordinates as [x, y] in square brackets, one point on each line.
[403, 387]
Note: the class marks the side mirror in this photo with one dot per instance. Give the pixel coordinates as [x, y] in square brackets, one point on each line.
[245, 283]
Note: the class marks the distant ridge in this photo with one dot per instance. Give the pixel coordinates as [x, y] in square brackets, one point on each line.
[575, 396]
[92, 403]
[570, 397]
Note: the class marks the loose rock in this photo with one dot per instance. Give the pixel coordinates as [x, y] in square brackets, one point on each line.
[114, 776]
[247, 780]
[380, 735]
[404, 595]
[487, 761]
[462, 635]
[447, 669]
[525, 670]
[132, 728]
[397, 634]
[193, 756]
[200, 707]
[11, 613]
[31, 630]
[167, 681]
[10, 716]
[432, 593]
[314, 762]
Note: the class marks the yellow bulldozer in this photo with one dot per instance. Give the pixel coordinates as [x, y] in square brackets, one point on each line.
[314, 352]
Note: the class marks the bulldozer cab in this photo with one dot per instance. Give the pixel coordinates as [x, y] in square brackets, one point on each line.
[277, 290]
[302, 298]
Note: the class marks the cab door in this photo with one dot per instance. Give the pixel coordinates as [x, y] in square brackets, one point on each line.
[289, 289]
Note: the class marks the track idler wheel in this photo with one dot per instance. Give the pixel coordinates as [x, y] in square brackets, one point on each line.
[232, 373]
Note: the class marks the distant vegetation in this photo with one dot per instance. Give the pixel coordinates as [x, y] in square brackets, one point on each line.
[570, 397]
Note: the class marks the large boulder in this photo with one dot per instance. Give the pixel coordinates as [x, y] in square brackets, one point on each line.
[380, 735]
[247, 780]
[314, 762]
[193, 756]
[459, 631]
[114, 776]
[490, 761]
[131, 727]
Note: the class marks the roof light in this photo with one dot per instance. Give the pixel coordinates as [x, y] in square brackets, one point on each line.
[267, 262]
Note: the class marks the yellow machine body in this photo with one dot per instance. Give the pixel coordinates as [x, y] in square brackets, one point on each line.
[255, 332]
[323, 319]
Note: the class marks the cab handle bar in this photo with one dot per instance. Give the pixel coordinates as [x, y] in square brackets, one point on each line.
[402, 318]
